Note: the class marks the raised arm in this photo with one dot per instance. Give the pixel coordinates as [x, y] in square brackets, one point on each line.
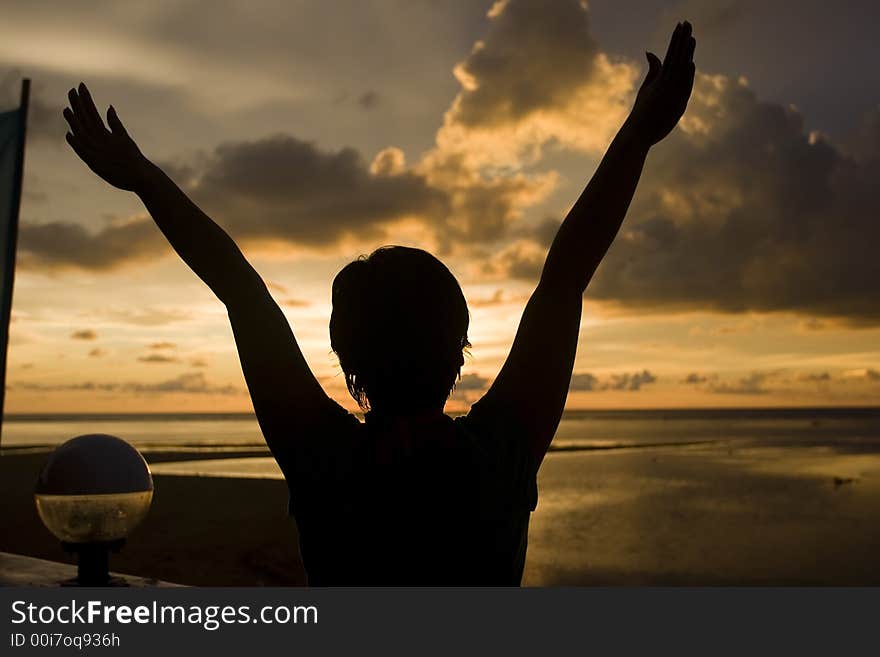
[286, 395]
[533, 383]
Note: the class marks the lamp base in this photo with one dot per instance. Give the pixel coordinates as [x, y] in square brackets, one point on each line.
[93, 563]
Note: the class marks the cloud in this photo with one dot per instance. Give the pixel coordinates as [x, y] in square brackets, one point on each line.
[867, 373]
[741, 209]
[274, 190]
[61, 245]
[633, 381]
[537, 75]
[191, 383]
[84, 334]
[97, 353]
[469, 382]
[283, 189]
[815, 377]
[587, 382]
[497, 298]
[158, 358]
[753, 384]
[744, 210]
[523, 259]
[145, 316]
[534, 78]
[162, 345]
[483, 204]
[583, 382]
[695, 378]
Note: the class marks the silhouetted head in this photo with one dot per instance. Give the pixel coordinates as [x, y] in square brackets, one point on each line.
[399, 327]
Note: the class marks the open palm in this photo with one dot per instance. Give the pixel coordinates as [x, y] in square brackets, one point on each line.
[663, 96]
[110, 153]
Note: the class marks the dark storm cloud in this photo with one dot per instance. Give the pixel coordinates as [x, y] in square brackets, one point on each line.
[282, 188]
[764, 217]
[84, 334]
[535, 56]
[745, 211]
[61, 244]
[274, 189]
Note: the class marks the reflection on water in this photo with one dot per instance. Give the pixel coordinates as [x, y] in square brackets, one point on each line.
[250, 468]
[578, 428]
[703, 516]
[140, 430]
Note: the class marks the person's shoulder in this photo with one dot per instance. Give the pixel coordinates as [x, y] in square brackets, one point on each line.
[328, 429]
[329, 417]
[493, 424]
[488, 415]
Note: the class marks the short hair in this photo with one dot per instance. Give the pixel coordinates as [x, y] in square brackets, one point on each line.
[399, 328]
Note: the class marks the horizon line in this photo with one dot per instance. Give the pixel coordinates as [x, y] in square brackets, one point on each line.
[662, 409]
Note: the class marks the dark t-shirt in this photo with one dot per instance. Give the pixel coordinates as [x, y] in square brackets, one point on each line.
[437, 501]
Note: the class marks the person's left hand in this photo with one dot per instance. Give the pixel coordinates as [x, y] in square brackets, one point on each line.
[111, 154]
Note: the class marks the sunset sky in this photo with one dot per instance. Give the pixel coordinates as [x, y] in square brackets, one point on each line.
[746, 273]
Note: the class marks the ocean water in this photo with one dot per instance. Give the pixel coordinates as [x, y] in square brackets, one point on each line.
[578, 429]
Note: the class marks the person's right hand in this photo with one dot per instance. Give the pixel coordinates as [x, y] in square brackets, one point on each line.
[664, 94]
[111, 154]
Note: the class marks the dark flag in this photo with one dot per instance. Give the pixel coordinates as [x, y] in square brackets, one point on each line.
[12, 130]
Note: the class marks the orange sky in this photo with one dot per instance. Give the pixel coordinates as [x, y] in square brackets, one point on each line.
[744, 275]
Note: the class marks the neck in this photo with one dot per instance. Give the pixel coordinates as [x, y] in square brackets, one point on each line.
[410, 415]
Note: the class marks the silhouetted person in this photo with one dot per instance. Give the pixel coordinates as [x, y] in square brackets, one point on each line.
[410, 496]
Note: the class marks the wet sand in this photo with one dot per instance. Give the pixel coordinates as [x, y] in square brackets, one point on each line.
[710, 514]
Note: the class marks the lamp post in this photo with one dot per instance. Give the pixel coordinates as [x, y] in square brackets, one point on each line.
[93, 490]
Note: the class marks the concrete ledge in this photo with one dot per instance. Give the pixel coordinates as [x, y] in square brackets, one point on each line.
[19, 570]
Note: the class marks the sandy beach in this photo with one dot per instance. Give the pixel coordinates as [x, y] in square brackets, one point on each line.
[710, 514]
